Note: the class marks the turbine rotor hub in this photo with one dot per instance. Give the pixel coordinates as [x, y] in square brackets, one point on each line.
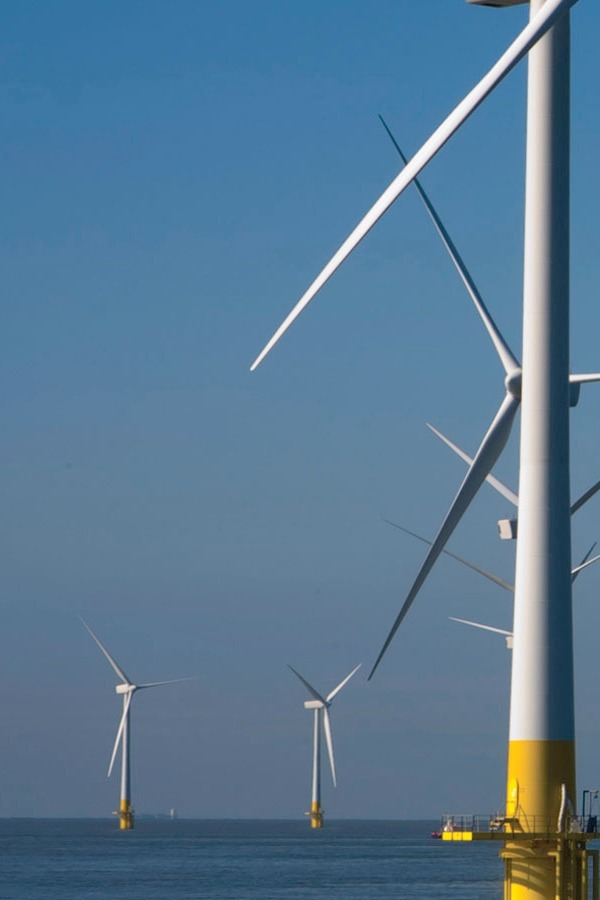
[514, 382]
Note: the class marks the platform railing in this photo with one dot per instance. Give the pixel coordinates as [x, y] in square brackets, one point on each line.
[499, 824]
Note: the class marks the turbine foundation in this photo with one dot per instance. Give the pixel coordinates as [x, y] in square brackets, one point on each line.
[316, 815]
[125, 816]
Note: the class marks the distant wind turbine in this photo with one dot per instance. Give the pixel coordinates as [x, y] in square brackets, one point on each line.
[127, 689]
[320, 705]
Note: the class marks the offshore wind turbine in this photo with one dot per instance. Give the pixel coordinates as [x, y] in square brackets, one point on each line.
[495, 579]
[508, 635]
[126, 689]
[508, 528]
[544, 859]
[320, 705]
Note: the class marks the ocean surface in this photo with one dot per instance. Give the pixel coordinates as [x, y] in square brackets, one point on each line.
[89, 859]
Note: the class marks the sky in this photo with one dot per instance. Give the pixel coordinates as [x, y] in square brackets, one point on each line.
[174, 175]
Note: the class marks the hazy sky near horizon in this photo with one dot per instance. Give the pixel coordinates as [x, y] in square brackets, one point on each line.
[174, 176]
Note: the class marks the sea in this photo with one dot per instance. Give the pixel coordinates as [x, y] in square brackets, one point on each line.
[163, 859]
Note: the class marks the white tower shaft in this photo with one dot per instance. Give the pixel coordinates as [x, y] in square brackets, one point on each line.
[541, 739]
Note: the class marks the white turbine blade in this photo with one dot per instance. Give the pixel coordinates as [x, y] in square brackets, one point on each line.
[585, 497]
[585, 562]
[490, 449]
[509, 363]
[151, 684]
[500, 487]
[495, 578]
[584, 379]
[336, 690]
[485, 627]
[316, 695]
[537, 27]
[114, 664]
[491, 479]
[329, 742]
[120, 732]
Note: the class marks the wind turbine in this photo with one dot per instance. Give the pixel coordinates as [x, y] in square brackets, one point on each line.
[543, 858]
[126, 689]
[508, 635]
[508, 527]
[320, 705]
[585, 562]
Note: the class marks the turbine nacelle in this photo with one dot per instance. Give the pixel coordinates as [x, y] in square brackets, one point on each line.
[507, 529]
[315, 704]
[125, 688]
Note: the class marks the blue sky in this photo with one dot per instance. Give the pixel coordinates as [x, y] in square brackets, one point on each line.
[174, 176]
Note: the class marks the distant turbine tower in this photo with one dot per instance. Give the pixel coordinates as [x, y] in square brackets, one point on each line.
[544, 858]
[127, 689]
[320, 705]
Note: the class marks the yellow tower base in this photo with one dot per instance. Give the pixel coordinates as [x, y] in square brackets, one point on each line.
[569, 870]
[542, 865]
[316, 815]
[125, 816]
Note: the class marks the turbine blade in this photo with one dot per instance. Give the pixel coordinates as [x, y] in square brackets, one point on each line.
[533, 31]
[495, 578]
[479, 625]
[585, 497]
[490, 449]
[113, 663]
[585, 562]
[336, 690]
[584, 379]
[491, 479]
[126, 706]
[500, 486]
[315, 694]
[509, 363]
[151, 684]
[329, 742]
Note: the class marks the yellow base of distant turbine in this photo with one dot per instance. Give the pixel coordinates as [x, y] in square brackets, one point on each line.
[125, 816]
[316, 816]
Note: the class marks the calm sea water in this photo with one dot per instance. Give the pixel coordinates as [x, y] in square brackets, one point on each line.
[81, 859]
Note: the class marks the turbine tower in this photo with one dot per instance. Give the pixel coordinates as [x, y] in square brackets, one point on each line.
[320, 705]
[126, 689]
[546, 858]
